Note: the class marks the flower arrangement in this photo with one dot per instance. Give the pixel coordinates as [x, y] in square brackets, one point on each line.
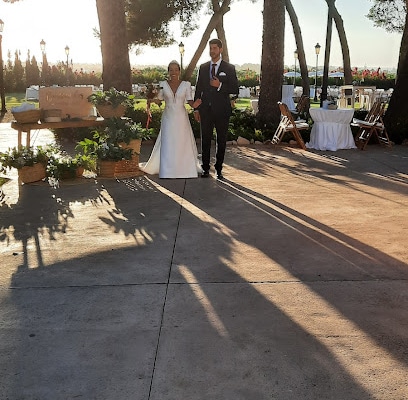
[24, 157]
[112, 97]
[152, 91]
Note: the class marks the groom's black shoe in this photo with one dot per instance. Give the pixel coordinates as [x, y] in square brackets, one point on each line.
[219, 175]
[205, 174]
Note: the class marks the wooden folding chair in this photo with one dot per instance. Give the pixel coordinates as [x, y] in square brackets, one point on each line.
[373, 124]
[288, 124]
[302, 107]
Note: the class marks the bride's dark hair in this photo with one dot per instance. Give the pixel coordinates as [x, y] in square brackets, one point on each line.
[174, 62]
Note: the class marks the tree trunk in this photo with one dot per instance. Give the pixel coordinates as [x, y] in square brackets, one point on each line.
[116, 70]
[221, 35]
[220, 29]
[327, 50]
[404, 46]
[212, 24]
[348, 78]
[272, 63]
[396, 116]
[299, 47]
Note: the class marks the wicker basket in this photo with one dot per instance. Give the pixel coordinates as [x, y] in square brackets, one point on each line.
[106, 168]
[110, 111]
[27, 117]
[32, 174]
[130, 168]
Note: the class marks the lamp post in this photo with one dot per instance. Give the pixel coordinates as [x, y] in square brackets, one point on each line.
[67, 53]
[42, 46]
[296, 57]
[317, 51]
[44, 62]
[2, 95]
[181, 49]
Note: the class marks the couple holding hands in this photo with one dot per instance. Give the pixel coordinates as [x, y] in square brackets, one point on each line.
[174, 154]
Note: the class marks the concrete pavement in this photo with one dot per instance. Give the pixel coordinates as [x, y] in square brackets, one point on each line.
[288, 280]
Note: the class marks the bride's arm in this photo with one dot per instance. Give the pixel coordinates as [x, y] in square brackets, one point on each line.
[190, 101]
[194, 104]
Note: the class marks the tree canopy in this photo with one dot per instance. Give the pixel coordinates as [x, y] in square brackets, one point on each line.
[388, 14]
[148, 22]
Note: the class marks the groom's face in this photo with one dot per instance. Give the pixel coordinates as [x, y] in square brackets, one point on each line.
[215, 52]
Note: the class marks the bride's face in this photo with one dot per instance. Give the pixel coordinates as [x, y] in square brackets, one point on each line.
[174, 71]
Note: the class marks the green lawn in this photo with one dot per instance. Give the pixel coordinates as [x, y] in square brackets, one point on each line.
[15, 99]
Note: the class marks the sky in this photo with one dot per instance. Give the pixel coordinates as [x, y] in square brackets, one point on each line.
[27, 22]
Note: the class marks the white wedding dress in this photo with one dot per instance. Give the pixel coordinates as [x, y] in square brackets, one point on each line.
[174, 154]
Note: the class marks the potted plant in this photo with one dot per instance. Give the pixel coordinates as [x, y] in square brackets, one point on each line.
[107, 153]
[128, 135]
[124, 130]
[111, 103]
[64, 166]
[30, 162]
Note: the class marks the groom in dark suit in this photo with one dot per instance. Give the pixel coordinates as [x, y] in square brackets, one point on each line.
[216, 80]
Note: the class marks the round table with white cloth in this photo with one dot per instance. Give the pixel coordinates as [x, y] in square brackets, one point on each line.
[331, 129]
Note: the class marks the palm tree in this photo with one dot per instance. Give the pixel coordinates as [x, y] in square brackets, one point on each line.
[299, 47]
[214, 23]
[116, 70]
[348, 78]
[396, 117]
[272, 62]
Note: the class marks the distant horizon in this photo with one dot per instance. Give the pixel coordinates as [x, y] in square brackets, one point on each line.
[243, 26]
[252, 66]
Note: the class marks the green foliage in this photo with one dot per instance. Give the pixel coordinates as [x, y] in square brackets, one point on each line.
[112, 97]
[25, 156]
[105, 144]
[61, 165]
[149, 75]
[388, 14]
[149, 21]
[124, 130]
[248, 78]
[139, 115]
[103, 149]
[243, 123]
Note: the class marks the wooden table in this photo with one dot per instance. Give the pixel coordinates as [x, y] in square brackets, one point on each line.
[74, 123]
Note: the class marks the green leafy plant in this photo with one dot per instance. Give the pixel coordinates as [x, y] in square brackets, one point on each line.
[242, 123]
[124, 130]
[103, 149]
[112, 97]
[62, 166]
[139, 115]
[24, 157]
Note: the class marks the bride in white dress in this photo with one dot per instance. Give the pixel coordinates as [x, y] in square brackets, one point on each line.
[174, 154]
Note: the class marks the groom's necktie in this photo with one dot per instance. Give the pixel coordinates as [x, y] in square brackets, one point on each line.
[213, 70]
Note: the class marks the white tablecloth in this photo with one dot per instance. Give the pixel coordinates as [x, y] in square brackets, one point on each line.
[331, 129]
[287, 96]
[244, 92]
[254, 105]
[31, 94]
